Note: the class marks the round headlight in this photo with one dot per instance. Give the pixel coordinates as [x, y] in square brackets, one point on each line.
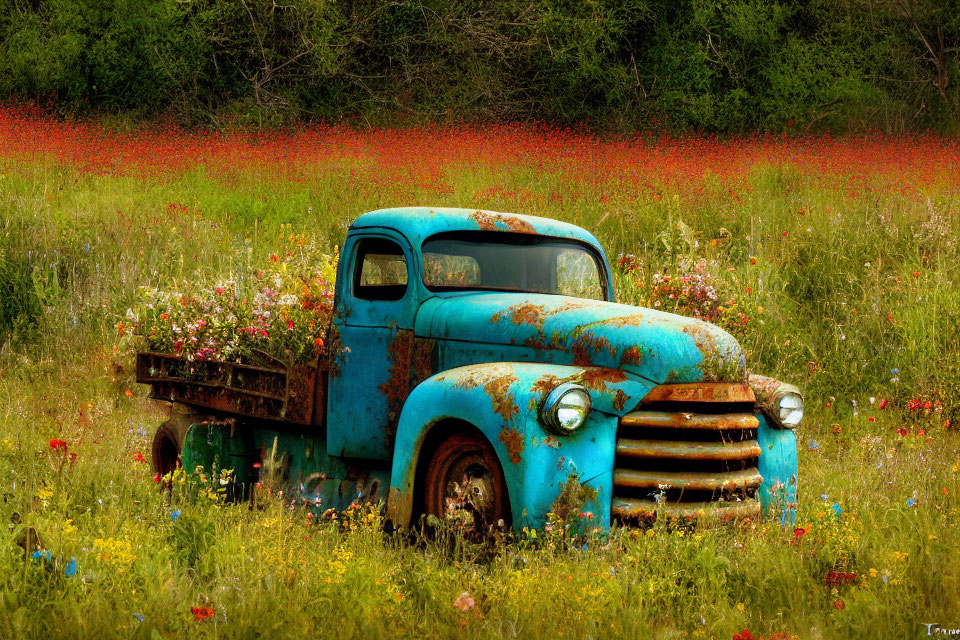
[566, 408]
[790, 409]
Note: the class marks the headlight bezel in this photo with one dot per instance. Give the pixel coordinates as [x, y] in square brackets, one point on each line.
[789, 406]
[770, 395]
[553, 404]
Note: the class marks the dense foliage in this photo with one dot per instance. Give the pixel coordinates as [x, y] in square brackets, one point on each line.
[709, 65]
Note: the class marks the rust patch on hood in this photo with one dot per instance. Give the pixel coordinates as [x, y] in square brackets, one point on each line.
[513, 441]
[569, 305]
[631, 356]
[588, 344]
[490, 222]
[524, 313]
[620, 322]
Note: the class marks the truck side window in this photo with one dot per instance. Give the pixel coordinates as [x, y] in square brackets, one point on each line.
[577, 275]
[381, 270]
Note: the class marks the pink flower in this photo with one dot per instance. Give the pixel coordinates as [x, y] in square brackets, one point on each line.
[464, 602]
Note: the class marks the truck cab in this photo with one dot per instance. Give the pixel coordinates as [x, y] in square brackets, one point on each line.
[485, 366]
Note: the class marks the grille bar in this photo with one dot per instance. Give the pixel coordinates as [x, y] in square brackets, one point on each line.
[689, 420]
[630, 508]
[665, 449]
[638, 479]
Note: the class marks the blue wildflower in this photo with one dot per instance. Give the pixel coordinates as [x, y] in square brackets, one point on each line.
[138, 617]
[175, 514]
[46, 555]
[837, 509]
[824, 497]
[71, 569]
[813, 444]
[911, 502]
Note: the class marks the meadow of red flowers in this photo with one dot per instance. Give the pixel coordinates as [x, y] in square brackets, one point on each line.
[579, 166]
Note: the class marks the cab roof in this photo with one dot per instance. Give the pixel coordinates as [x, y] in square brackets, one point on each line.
[419, 223]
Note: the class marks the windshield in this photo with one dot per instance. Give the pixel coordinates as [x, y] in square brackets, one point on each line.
[512, 262]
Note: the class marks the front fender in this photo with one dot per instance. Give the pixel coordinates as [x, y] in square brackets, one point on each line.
[502, 400]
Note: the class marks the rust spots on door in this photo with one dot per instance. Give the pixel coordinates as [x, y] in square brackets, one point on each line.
[397, 387]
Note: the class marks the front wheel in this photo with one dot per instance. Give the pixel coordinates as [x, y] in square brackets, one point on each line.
[464, 484]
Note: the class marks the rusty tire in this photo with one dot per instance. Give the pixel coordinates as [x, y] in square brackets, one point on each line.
[168, 444]
[464, 480]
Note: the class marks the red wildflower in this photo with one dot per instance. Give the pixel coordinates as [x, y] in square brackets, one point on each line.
[138, 457]
[57, 445]
[836, 578]
[838, 604]
[871, 419]
[201, 613]
[883, 403]
[927, 405]
[318, 344]
[156, 477]
[744, 635]
[902, 431]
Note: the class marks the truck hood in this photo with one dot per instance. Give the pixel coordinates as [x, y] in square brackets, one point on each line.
[660, 347]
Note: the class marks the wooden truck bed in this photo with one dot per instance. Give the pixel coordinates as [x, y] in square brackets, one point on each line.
[286, 394]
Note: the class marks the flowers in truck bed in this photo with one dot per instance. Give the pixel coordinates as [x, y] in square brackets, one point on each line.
[275, 310]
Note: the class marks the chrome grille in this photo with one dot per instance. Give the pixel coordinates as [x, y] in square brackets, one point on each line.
[690, 451]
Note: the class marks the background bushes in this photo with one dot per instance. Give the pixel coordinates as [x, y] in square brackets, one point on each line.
[708, 65]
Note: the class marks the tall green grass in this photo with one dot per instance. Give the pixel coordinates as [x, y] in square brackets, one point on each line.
[833, 306]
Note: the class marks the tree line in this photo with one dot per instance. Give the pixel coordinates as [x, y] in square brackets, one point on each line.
[685, 65]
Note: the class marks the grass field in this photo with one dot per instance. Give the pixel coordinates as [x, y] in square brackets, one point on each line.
[834, 261]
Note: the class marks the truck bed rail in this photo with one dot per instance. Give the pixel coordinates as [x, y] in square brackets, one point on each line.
[288, 394]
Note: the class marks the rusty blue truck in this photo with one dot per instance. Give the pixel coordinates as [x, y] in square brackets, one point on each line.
[485, 366]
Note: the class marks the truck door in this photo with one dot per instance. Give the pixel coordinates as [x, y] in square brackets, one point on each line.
[376, 308]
